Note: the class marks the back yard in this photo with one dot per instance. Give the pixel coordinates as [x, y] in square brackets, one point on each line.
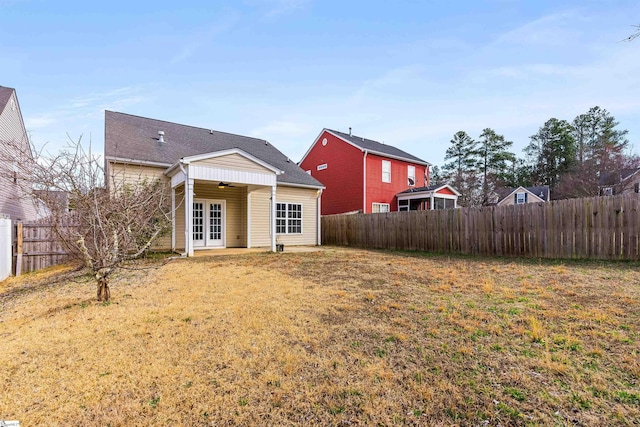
[340, 337]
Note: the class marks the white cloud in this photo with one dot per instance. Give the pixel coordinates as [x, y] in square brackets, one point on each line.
[282, 7]
[202, 37]
[80, 115]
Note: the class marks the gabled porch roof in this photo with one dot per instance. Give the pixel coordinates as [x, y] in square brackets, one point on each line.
[255, 171]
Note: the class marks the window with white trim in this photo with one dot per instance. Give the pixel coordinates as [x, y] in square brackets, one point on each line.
[288, 218]
[403, 205]
[386, 171]
[520, 198]
[379, 207]
[636, 187]
[322, 167]
[411, 176]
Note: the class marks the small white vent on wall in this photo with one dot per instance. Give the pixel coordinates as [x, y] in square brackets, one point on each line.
[324, 142]
[322, 167]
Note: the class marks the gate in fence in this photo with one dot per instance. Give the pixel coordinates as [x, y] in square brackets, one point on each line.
[35, 247]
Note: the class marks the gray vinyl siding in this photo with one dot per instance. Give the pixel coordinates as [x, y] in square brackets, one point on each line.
[14, 144]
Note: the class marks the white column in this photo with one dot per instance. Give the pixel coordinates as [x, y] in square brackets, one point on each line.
[431, 207]
[273, 218]
[173, 219]
[188, 216]
[248, 219]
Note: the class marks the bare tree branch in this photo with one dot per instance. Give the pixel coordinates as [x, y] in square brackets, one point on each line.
[102, 226]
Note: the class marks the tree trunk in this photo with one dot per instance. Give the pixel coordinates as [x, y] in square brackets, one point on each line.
[102, 276]
[104, 294]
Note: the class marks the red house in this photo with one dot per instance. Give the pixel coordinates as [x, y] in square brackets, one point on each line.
[361, 174]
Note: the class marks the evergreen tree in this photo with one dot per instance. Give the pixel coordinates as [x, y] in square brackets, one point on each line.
[435, 178]
[551, 152]
[461, 169]
[494, 155]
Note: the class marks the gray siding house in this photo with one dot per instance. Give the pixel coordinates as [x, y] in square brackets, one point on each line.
[15, 154]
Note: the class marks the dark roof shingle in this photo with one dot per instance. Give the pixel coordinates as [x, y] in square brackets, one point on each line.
[130, 137]
[371, 145]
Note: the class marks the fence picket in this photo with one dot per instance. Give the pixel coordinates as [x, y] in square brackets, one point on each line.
[596, 228]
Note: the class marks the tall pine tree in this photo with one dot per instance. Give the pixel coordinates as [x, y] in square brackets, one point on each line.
[551, 152]
[461, 168]
[494, 156]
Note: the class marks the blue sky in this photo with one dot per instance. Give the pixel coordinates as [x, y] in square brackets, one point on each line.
[409, 73]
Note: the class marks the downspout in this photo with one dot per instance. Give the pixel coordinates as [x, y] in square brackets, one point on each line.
[364, 183]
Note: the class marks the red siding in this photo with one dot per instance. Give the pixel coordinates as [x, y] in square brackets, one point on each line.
[445, 191]
[343, 176]
[384, 192]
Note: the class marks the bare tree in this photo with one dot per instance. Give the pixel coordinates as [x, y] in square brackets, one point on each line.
[634, 35]
[104, 226]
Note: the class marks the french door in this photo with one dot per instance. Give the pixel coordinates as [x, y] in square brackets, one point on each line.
[209, 223]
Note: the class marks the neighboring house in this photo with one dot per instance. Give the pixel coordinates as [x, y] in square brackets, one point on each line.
[625, 182]
[227, 190]
[361, 175]
[522, 195]
[15, 155]
[428, 198]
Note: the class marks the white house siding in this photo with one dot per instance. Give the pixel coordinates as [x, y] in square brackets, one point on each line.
[120, 174]
[233, 161]
[179, 218]
[14, 143]
[260, 216]
[309, 200]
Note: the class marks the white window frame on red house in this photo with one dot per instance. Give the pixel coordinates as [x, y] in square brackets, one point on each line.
[380, 207]
[386, 173]
[411, 176]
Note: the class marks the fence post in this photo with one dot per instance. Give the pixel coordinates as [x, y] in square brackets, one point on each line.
[18, 248]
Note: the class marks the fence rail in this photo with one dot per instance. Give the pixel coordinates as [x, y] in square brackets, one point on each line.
[589, 228]
[35, 247]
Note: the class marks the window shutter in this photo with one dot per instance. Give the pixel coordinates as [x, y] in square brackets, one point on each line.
[515, 199]
[525, 197]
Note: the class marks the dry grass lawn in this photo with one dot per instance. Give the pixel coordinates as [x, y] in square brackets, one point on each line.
[340, 337]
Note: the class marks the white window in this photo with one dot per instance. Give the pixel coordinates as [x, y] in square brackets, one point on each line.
[521, 198]
[403, 205]
[411, 175]
[288, 218]
[607, 191]
[379, 207]
[322, 167]
[386, 171]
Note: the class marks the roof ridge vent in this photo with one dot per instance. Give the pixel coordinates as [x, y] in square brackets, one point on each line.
[161, 136]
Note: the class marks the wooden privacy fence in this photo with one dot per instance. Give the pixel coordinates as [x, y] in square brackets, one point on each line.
[589, 228]
[35, 247]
